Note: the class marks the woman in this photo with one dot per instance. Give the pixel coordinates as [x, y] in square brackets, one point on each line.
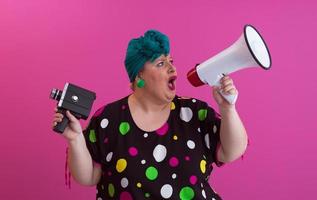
[153, 144]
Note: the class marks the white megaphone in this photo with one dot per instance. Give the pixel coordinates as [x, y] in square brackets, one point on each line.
[249, 50]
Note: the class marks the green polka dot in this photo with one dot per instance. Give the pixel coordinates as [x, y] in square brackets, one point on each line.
[124, 128]
[187, 193]
[147, 195]
[111, 190]
[202, 114]
[151, 173]
[92, 136]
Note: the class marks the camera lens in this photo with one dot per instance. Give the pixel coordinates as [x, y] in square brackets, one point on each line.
[56, 94]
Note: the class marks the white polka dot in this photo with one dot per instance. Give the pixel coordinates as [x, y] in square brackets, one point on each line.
[191, 144]
[215, 129]
[145, 135]
[204, 194]
[159, 153]
[104, 123]
[198, 129]
[186, 114]
[124, 182]
[99, 198]
[194, 100]
[201, 185]
[213, 198]
[143, 162]
[207, 141]
[174, 176]
[109, 156]
[166, 191]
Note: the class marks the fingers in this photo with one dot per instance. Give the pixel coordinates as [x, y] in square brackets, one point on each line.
[227, 85]
[70, 116]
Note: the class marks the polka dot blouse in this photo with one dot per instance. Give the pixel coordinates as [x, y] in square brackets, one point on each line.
[172, 162]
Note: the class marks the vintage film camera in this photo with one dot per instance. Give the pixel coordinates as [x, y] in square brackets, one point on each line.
[75, 99]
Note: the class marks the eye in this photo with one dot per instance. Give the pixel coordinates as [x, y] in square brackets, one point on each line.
[160, 64]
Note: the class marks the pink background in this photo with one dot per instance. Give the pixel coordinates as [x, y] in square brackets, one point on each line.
[44, 44]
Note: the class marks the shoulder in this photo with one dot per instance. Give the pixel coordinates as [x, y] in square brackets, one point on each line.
[111, 108]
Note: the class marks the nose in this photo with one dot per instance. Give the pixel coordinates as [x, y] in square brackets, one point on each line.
[171, 68]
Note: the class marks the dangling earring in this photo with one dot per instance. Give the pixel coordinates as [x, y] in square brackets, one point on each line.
[140, 83]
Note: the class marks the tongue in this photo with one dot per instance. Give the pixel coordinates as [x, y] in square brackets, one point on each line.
[171, 86]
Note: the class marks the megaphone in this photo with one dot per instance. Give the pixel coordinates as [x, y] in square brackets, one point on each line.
[250, 50]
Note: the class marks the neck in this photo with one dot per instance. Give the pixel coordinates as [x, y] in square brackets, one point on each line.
[148, 103]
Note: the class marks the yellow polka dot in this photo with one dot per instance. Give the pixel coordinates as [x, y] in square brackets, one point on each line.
[203, 166]
[121, 165]
[139, 185]
[175, 137]
[172, 106]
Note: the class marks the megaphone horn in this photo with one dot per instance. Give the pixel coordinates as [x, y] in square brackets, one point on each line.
[250, 50]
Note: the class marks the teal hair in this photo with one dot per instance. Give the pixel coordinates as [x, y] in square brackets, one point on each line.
[145, 48]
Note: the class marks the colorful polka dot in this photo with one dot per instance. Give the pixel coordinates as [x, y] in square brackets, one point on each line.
[172, 106]
[109, 156]
[186, 193]
[159, 153]
[104, 123]
[191, 144]
[215, 129]
[139, 185]
[203, 193]
[111, 190]
[133, 151]
[145, 135]
[173, 162]
[143, 162]
[202, 114]
[124, 182]
[106, 140]
[175, 137]
[207, 141]
[92, 136]
[124, 128]
[166, 191]
[163, 130]
[194, 100]
[121, 165]
[174, 176]
[193, 179]
[203, 166]
[151, 173]
[147, 195]
[186, 114]
[125, 196]
[187, 158]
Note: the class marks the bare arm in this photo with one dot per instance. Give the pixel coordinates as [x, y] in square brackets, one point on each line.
[80, 162]
[233, 136]
[81, 166]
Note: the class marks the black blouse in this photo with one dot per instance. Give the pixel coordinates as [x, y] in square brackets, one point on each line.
[173, 162]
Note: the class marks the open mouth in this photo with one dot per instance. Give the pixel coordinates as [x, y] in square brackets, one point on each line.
[171, 82]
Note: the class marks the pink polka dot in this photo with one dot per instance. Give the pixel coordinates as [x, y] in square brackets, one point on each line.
[109, 173]
[123, 107]
[99, 111]
[125, 196]
[193, 180]
[173, 162]
[163, 130]
[133, 151]
[106, 140]
[187, 158]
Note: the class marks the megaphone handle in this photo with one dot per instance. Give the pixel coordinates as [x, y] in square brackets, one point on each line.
[231, 98]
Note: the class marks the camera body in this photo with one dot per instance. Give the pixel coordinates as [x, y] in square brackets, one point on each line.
[77, 100]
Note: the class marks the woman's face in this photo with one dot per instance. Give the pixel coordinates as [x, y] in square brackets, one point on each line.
[160, 78]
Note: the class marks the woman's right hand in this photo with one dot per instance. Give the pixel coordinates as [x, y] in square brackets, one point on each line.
[73, 129]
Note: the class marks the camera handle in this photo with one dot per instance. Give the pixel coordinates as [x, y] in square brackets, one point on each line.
[60, 126]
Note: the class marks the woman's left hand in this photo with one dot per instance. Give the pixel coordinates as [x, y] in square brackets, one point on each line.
[227, 87]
